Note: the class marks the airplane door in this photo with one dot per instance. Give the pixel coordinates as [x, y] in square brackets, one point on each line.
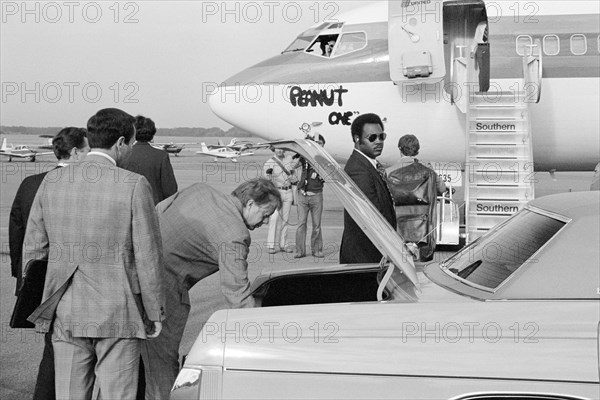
[416, 41]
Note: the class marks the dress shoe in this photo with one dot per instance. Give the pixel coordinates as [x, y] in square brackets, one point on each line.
[273, 251]
[287, 250]
[298, 255]
[318, 254]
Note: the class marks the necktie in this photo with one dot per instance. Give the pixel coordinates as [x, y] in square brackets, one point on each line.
[384, 177]
[485, 34]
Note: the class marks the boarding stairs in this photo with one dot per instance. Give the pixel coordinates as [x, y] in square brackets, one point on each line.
[499, 173]
[499, 167]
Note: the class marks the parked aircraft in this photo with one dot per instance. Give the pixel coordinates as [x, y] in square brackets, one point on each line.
[410, 62]
[20, 151]
[223, 152]
[234, 144]
[171, 148]
[361, 76]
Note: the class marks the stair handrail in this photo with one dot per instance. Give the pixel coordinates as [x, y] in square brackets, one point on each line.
[454, 71]
[529, 67]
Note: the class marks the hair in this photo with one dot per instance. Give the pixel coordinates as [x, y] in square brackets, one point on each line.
[261, 190]
[409, 145]
[359, 123]
[320, 137]
[107, 126]
[144, 129]
[66, 140]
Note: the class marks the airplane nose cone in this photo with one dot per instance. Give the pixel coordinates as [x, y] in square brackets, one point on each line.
[218, 106]
[251, 107]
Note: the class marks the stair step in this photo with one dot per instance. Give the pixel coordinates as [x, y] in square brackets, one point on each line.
[485, 221]
[498, 138]
[490, 192]
[499, 165]
[498, 98]
[499, 178]
[500, 113]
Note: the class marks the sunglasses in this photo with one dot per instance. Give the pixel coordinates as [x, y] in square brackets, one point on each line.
[374, 136]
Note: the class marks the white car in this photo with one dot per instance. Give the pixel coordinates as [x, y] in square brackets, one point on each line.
[513, 315]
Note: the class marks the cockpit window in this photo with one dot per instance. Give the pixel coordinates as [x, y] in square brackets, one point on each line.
[333, 45]
[323, 45]
[337, 25]
[299, 44]
[492, 259]
[351, 42]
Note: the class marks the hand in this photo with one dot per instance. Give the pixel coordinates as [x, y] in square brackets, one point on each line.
[472, 55]
[153, 331]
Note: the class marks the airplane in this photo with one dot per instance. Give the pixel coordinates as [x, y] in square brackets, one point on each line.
[223, 152]
[171, 148]
[410, 62]
[20, 151]
[357, 79]
[234, 144]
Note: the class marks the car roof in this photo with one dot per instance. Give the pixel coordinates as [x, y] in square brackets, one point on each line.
[565, 267]
[571, 205]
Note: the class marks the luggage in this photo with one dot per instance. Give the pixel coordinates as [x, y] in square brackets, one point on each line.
[30, 294]
[413, 189]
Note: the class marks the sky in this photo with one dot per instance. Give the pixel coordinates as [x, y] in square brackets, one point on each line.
[63, 61]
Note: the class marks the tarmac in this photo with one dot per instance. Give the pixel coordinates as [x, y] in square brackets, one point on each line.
[21, 349]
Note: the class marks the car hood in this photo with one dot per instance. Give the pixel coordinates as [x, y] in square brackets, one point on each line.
[360, 208]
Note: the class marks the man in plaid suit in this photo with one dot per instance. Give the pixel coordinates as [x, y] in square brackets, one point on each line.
[96, 225]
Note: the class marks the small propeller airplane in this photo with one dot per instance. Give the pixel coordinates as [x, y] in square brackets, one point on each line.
[20, 151]
[225, 151]
[171, 148]
[234, 144]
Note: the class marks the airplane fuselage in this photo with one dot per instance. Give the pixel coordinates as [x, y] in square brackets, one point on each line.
[301, 87]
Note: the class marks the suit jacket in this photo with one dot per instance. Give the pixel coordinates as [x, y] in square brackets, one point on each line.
[155, 165]
[96, 225]
[19, 213]
[203, 231]
[356, 247]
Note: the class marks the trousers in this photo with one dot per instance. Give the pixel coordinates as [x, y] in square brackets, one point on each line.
[279, 221]
[314, 205]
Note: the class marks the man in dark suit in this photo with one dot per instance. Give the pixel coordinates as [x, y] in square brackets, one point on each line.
[369, 176]
[70, 145]
[103, 291]
[150, 162]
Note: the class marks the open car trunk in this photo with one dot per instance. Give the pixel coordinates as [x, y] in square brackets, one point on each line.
[319, 288]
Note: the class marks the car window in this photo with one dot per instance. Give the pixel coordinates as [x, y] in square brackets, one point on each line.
[492, 259]
[515, 396]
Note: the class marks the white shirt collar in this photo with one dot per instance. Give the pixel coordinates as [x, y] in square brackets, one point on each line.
[371, 160]
[101, 154]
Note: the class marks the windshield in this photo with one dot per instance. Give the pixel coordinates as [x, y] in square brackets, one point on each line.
[299, 44]
[492, 259]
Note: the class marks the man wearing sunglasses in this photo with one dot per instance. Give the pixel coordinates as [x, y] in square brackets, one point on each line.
[369, 175]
